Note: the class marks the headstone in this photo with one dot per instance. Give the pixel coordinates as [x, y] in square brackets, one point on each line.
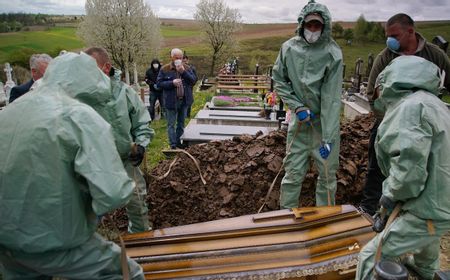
[358, 73]
[2, 96]
[352, 109]
[9, 81]
[195, 133]
[441, 43]
[239, 118]
[211, 106]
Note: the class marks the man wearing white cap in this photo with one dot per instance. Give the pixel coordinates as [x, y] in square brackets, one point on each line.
[308, 76]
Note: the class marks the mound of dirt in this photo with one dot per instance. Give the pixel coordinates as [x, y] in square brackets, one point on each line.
[238, 174]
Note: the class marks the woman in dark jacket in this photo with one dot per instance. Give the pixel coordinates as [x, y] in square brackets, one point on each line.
[155, 93]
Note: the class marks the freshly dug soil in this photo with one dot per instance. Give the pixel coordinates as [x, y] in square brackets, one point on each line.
[238, 174]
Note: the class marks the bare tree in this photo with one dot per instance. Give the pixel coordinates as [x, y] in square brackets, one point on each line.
[127, 29]
[219, 22]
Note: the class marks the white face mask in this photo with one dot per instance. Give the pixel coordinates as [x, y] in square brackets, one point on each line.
[311, 37]
[155, 66]
[178, 62]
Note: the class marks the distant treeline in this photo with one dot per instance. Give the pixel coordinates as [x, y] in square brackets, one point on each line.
[11, 22]
[363, 31]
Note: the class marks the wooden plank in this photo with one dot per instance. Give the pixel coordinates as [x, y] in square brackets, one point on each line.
[241, 75]
[211, 106]
[241, 82]
[242, 87]
[226, 114]
[247, 222]
[244, 78]
[294, 257]
[244, 239]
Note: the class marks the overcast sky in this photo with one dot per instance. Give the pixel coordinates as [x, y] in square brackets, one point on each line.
[258, 11]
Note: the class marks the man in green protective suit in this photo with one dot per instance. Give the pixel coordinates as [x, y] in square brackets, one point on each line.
[129, 119]
[308, 78]
[59, 171]
[412, 150]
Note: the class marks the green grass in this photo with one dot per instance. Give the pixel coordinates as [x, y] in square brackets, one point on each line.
[160, 141]
[430, 30]
[66, 38]
[262, 51]
[39, 41]
[446, 98]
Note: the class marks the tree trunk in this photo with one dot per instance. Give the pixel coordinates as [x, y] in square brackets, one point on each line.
[127, 76]
[135, 76]
[213, 64]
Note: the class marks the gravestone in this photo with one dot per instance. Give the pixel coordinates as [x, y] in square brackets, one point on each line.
[9, 81]
[2, 96]
[240, 118]
[211, 106]
[195, 133]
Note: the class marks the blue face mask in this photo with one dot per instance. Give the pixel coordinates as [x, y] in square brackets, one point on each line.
[393, 44]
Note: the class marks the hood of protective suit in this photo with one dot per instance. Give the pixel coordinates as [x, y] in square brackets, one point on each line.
[80, 77]
[404, 75]
[313, 7]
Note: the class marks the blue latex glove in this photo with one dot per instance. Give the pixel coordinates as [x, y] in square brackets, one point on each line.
[305, 115]
[325, 150]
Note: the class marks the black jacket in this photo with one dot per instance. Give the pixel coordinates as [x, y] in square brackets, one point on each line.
[151, 75]
[18, 91]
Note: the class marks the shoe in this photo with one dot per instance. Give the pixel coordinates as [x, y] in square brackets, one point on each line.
[181, 146]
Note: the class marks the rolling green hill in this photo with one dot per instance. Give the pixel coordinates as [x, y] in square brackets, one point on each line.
[258, 43]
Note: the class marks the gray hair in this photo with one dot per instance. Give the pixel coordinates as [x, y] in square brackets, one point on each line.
[100, 54]
[37, 59]
[175, 52]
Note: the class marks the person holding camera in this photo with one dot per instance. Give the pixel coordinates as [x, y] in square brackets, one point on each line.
[176, 80]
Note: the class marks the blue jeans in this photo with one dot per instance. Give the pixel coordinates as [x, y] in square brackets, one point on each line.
[178, 114]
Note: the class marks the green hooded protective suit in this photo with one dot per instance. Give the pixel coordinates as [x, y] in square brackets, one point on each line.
[413, 149]
[310, 75]
[59, 170]
[129, 119]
